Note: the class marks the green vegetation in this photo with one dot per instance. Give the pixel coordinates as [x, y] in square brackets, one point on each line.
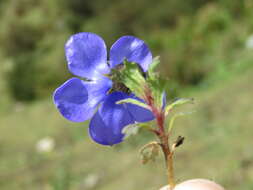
[218, 146]
[203, 53]
[195, 39]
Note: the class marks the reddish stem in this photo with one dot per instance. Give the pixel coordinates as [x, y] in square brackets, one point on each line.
[162, 135]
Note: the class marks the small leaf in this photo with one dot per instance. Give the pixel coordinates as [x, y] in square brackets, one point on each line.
[152, 67]
[133, 101]
[130, 130]
[144, 125]
[149, 152]
[157, 86]
[172, 119]
[178, 102]
[156, 83]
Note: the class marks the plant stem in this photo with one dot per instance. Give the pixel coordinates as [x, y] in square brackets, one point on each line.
[163, 136]
[168, 154]
[170, 171]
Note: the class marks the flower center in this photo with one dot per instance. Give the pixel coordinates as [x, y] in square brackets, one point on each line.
[115, 77]
[117, 85]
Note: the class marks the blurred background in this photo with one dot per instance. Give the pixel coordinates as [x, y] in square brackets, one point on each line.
[206, 48]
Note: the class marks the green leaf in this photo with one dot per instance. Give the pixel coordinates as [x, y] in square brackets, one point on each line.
[157, 86]
[152, 67]
[178, 102]
[172, 119]
[156, 83]
[133, 101]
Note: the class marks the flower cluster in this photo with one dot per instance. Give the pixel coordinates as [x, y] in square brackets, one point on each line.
[93, 95]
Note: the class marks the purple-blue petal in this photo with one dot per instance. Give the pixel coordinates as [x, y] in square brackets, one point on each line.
[132, 49]
[86, 55]
[139, 114]
[107, 124]
[77, 100]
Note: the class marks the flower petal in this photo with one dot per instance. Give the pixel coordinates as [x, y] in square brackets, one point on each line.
[139, 114]
[77, 100]
[132, 49]
[107, 124]
[86, 55]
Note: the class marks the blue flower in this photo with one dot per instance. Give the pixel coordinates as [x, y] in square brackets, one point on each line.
[79, 100]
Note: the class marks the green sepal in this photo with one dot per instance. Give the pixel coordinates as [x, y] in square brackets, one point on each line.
[151, 70]
[156, 83]
[178, 102]
[157, 87]
[140, 83]
[133, 78]
[133, 101]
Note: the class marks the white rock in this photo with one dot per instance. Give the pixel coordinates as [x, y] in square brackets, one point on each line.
[46, 144]
[196, 184]
[91, 181]
[249, 42]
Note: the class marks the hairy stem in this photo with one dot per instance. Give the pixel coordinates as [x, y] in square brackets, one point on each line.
[168, 154]
[163, 136]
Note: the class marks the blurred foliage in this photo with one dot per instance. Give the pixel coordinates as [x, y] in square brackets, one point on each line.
[218, 146]
[200, 43]
[195, 38]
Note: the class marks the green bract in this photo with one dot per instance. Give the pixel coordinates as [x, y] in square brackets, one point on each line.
[132, 76]
[141, 83]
